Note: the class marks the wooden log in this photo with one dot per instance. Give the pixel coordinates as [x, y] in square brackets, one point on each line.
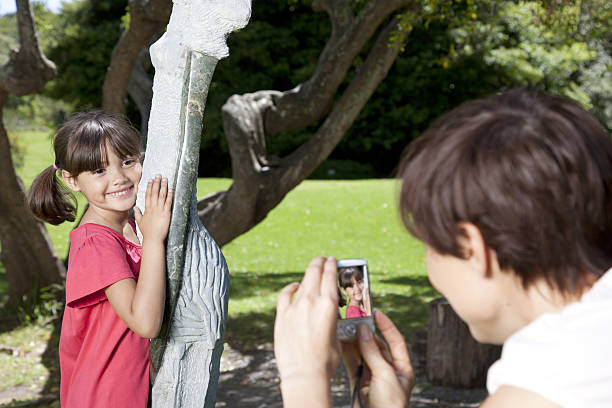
[454, 357]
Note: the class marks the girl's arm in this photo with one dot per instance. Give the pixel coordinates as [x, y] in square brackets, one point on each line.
[141, 304]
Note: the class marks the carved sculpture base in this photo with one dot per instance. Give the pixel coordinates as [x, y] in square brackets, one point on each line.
[185, 358]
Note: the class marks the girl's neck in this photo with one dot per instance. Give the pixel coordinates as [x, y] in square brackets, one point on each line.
[113, 220]
[354, 303]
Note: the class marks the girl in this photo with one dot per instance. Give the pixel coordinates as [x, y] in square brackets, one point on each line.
[350, 280]
[115, 285]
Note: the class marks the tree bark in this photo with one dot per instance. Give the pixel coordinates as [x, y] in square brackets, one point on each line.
[140, 89]
[454, 357]
[27, 252]
[147, 19]
[259, 182]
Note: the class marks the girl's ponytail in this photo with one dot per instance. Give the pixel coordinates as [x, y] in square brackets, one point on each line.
[50, 202]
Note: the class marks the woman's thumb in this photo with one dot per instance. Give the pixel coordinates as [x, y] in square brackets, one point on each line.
[370, 351]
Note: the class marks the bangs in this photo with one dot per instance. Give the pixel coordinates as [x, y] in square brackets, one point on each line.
[88, 152]
[346, 275]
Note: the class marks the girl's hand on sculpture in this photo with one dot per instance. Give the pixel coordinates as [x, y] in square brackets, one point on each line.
[158, 203]
[305, 344]
[388, 377]
[141, 304]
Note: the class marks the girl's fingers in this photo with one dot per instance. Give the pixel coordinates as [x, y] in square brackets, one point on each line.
[163, 192]
[155, 189]
[329, 285]
[284, 297]
[312, 277]
[169, 199]
[137, 214]
[397, 344]
[148, 193]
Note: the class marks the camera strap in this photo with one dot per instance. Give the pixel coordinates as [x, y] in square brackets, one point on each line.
[356, 393]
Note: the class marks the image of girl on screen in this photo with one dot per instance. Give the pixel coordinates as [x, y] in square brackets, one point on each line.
[350, 281]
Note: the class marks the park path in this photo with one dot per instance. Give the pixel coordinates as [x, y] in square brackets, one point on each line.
[250, 380]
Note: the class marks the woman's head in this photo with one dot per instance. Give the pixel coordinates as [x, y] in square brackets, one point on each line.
[532, 172]
[80, 145]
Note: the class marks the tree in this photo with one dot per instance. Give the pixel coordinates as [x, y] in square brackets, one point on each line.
[461, 50]
[80, 41]
[27, 253]
[260, 182]
[147, 19]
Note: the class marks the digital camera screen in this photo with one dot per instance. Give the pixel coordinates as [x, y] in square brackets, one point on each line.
[354, 292]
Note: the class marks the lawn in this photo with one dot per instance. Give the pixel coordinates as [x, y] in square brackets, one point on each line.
[341, 218]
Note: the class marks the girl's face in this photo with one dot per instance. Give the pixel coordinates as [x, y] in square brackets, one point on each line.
[110, 189]
[355, 291]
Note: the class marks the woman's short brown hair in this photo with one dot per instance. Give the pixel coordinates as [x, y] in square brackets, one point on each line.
[532, 171]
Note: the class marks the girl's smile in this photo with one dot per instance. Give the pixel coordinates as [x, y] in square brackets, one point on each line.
[110, 190]
[122, 193]
[355, 292]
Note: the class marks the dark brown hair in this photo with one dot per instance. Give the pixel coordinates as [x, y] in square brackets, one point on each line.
[79, 145]
[346, 275]
[532, 172]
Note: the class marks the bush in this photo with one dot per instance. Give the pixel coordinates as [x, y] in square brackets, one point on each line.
[41, 306]
[343, 170]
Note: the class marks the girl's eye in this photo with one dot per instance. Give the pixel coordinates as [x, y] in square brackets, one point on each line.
[98, 171]
[129, 162]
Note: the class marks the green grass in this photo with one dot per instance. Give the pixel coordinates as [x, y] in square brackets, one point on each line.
[346, 219]
[20, 357]
[341, 218]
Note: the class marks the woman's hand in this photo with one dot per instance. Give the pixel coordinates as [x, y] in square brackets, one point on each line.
[388, 377]
[158, 209]
[305, 343]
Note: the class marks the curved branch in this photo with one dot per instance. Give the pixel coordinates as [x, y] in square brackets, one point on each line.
[306, 158]
[312, 100]
[257, 189]
[147, 19]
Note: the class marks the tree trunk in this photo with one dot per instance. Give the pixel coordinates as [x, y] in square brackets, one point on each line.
[140, 89]
[27, 252]
[454, 358]
[261, 182]
[147, 19]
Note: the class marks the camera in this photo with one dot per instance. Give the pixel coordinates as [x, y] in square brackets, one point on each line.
[355, 302]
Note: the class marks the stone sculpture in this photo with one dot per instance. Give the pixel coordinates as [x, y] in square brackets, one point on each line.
[185, 358]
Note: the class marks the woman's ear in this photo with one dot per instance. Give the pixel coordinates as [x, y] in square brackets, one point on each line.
[70, 181]
[475, 248]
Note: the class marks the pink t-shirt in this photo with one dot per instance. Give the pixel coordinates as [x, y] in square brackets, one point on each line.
[354, 311]
[103, 363]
